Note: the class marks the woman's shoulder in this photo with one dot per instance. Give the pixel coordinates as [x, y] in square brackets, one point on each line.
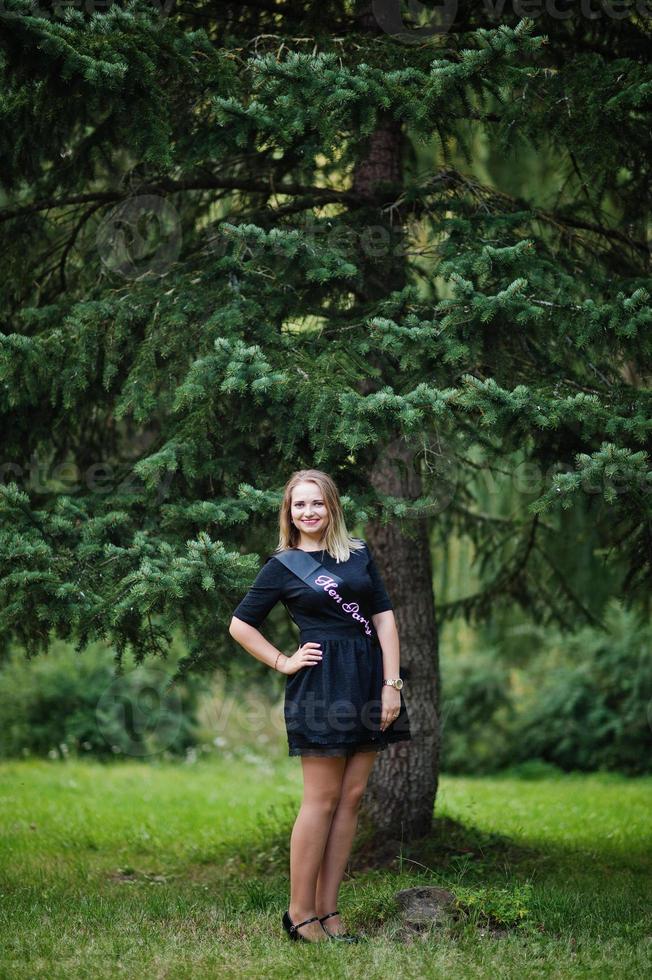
[271, 560]
[271, 570]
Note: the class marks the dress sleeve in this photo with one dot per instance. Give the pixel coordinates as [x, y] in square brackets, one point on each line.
[263, 595]
[381, 601]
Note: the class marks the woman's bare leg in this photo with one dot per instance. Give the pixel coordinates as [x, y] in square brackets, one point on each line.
[322, 783]
[340, 838]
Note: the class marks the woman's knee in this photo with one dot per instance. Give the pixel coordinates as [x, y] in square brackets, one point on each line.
[351, 795]
[324, 802]
[322, 783]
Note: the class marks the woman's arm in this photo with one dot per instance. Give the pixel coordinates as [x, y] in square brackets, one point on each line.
[255, 643]
[385, 625]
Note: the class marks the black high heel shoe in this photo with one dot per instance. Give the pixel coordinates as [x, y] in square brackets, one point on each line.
[348, 937]
[291, 928]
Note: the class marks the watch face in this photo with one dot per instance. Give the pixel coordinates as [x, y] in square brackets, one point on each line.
[399, 684]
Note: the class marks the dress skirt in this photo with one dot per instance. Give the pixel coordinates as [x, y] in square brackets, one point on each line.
[333, 707]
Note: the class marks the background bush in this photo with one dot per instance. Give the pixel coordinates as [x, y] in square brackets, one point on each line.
[593, 707]
[477, 713]
[65, 702]
[583, 702]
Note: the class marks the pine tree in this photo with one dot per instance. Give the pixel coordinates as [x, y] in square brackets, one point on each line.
[244, 238]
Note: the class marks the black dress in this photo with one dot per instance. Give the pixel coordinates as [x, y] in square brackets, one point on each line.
[333, 707]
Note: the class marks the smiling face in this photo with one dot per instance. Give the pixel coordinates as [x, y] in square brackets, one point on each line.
[309, 513]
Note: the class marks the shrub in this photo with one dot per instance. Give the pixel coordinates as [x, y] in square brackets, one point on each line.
[65, 702]
[593, 711]
[476, 714]
[583, 702]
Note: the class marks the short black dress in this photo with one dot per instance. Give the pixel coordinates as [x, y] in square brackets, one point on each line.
[333, 707]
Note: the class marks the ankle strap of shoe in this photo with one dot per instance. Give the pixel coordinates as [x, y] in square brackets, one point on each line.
[304, 923]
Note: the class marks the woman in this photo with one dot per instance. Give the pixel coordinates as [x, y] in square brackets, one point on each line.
[339, 707]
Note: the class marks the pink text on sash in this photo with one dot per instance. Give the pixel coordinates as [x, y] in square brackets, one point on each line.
[350, 608]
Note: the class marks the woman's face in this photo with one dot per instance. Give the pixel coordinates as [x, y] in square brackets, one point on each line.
[309, 512]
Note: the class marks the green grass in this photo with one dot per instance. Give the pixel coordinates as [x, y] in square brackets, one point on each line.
[167, 870]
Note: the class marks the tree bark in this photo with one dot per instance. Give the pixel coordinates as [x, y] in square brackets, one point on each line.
[401, 791]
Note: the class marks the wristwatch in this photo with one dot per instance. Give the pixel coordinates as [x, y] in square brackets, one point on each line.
[394, 682]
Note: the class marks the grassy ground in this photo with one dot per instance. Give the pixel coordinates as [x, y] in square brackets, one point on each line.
[167, 870]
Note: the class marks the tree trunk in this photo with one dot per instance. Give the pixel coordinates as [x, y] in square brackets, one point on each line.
[401, 790]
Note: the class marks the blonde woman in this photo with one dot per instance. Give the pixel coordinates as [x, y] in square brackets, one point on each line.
[343, 698]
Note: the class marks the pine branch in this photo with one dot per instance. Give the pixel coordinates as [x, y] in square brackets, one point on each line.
[490, 196]
[70, 244]
[167, 185]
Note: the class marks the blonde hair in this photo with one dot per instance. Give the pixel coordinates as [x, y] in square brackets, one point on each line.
[338, 542]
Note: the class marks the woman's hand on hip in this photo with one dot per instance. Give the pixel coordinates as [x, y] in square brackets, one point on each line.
[306, 655]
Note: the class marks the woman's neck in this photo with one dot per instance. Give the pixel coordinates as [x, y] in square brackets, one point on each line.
[310, 545]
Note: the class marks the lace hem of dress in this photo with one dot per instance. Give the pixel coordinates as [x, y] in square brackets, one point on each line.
[328, 751]
[304, 747]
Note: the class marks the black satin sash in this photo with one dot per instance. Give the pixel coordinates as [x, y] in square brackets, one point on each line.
[310, 571]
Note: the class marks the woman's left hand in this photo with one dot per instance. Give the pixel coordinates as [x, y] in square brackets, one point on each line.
[390, 706]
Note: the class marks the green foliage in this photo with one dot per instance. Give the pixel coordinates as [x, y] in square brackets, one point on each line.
[532, 769]
[477, 714]
[67, 704]
[593, 710]
[495, 906]
[584, 701]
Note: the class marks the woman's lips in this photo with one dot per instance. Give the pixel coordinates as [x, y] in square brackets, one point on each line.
[316, 521]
